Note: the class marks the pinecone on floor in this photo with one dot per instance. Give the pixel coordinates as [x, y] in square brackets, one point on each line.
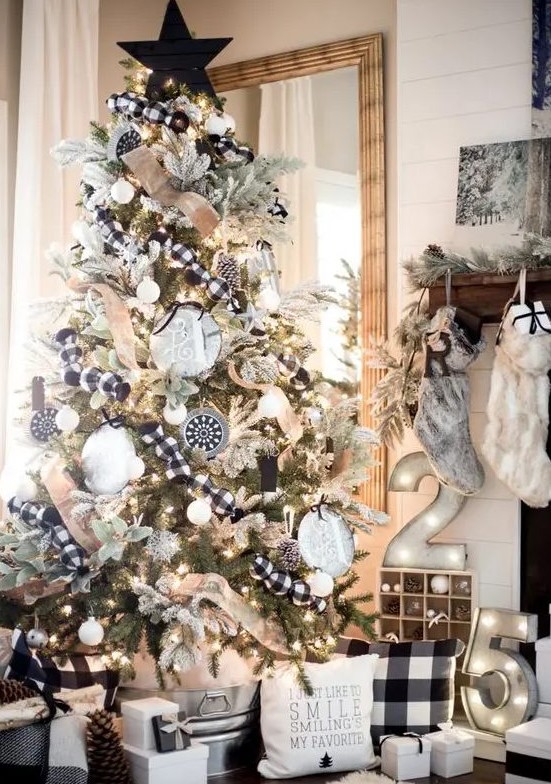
[289, 553]
[106, 761]
[227, 267]
[13, 691]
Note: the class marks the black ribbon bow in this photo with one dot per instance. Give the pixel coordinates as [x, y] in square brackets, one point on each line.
[413, 735]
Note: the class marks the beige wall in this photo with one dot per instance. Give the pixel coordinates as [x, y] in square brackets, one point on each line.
[11, 12]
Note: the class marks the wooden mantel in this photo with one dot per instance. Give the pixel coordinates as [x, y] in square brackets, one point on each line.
[487, 295]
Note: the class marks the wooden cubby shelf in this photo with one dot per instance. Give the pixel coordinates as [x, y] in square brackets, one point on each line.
[406, 609]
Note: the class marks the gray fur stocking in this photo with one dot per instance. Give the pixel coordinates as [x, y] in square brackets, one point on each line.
[518, 414]
[442, 420]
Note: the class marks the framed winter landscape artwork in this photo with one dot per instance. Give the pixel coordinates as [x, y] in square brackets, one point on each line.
[503, 189]
[541, 68]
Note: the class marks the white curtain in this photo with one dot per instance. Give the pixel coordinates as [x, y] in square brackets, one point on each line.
[287, 126]
[58, 98]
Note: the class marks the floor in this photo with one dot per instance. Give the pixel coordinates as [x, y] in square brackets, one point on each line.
[485, 772]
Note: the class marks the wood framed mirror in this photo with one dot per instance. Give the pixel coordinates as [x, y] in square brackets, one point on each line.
[363, 57]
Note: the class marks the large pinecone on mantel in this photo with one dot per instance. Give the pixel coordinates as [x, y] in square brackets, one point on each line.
[106, 761]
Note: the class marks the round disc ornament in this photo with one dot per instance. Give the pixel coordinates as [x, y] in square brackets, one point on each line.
[125, 137]
[205, 428]
[186, 339]
[43, 424]
[325, 540]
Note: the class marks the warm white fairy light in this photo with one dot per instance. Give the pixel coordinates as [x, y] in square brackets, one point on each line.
[67, 609]
[53, 639]
[297, 645]
[183, 568]
[309, 616]
[216, 647]
[125, 660]
[245, 590]
[169, 509]
[228, 553]
[331, 641]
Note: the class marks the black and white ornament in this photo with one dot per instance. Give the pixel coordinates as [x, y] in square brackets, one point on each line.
[186, 339]
[205, 428]
[43, 418]
[125, 137]
[280, 582]
[109, 459]
[326, 541]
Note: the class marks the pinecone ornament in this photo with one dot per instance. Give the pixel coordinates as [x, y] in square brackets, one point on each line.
[106, 761]
[13, 691]
[289, 553]
[227, 267]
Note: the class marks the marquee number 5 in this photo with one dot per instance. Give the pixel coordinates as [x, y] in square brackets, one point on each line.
[486, 656]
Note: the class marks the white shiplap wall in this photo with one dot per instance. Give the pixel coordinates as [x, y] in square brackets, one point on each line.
[464, 74]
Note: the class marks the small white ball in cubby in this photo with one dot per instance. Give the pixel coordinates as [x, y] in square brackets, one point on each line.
[440, 583]
[385, 587]
[397, 588]
[431, 613]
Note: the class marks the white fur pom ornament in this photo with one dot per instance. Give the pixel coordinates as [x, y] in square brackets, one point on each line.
[518, 413]
[109, 460]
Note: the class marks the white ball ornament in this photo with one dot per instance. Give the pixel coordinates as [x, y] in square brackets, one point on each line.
[136, 467]
[91, 632]
[26, 489]
[439, 583]
[122, 191]
[321, 583]
[269, 405]
[268, 299]
[67, 419]
[174, 416]
[397, 588]
[230, 122]
[216, 125]
[385, 588]
[199, 512]
[148, 291]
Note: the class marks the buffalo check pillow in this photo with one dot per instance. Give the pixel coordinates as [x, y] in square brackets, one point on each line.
[413, 686]
[56, 675]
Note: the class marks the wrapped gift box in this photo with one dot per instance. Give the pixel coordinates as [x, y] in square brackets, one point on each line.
[174, 767]
[528, 753]
[543, 669]
[137, 727]
[452, 753]
[405, 757]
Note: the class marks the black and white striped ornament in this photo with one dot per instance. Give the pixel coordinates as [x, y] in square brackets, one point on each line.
[205, 428]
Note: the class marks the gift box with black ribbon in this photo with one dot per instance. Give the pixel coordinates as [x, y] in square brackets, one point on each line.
[452, 751]
[172, 731]
[528, 753]
[405, 756]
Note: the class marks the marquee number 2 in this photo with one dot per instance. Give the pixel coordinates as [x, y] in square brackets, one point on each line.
[410, 547]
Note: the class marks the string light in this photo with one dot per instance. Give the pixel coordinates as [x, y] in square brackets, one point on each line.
[216, 647]
[183, 568]
[67, 609]
[53, 639]
[297, 645]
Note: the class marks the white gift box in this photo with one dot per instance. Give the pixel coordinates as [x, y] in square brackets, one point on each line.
[528, 753]
[172, 767]
[137, 727]
[452, 753]
[543, 668]
[405, 758]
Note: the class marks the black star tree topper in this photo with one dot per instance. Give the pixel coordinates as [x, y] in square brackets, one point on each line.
[176, 55]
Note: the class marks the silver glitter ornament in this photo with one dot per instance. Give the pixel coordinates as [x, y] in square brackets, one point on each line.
[36, 638]
[186, 340]
[326, 542]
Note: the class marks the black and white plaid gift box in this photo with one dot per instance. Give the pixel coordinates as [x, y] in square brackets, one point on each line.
[50, 674]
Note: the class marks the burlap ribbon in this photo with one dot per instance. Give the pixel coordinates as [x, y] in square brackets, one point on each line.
[118, 318]
[288, 421]
[60, 486]
[154, 181]
[216, 588]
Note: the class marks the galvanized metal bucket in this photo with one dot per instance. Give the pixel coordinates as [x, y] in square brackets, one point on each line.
[227, 719]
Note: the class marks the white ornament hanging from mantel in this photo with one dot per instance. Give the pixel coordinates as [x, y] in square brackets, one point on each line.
[411, 547]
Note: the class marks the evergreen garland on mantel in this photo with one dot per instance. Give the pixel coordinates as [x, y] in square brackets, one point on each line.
[434, 262]
[394, 399]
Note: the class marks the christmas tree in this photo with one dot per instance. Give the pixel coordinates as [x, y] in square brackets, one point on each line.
[196, 486]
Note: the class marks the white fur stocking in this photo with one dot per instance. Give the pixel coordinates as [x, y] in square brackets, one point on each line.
[518, 414]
